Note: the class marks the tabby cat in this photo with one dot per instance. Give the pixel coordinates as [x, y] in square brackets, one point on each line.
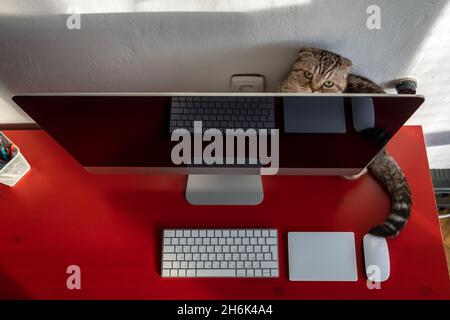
[318, 70]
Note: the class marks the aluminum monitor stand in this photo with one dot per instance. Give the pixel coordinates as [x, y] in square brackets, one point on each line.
[224, 189]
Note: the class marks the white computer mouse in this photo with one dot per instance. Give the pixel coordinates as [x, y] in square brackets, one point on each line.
[376, 256]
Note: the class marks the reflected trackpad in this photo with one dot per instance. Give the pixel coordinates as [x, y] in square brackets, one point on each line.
[314, 115]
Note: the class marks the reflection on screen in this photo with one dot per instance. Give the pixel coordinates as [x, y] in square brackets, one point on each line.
[314, 115]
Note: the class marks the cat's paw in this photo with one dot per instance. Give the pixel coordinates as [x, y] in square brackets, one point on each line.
[294, 89]
[303, 90]
[356, 176]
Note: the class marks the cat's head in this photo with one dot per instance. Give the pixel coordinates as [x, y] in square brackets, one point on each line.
[321, 71]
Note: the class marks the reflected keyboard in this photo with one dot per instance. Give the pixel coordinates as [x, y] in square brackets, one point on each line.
[222, 113]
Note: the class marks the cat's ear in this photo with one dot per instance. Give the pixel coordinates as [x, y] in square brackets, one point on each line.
[306, 53]
[347, 64]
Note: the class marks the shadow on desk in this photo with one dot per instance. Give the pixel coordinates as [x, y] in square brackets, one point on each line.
[11, 290]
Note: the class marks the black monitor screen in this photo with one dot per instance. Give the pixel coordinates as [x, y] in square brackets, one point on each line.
[135, 131]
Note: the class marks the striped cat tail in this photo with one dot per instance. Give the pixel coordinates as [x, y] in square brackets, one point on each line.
[388, 173]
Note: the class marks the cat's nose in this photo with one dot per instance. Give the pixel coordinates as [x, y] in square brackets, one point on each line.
[315, 89]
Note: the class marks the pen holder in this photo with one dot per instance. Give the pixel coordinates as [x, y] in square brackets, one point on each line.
[15, 169]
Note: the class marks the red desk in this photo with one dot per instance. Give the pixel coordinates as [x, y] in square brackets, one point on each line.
[110, 226]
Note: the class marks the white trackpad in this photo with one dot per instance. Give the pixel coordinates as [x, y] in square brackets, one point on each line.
[322, 256]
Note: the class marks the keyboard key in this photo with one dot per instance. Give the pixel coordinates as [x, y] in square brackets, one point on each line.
[269, 264]
[216, 273]
[274, 250]
[190, 273]
[169, 233]
[169, 256]
[168, 249]
[165, 273]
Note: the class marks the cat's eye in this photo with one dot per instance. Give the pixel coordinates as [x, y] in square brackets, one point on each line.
[328, 84]
[308, 75]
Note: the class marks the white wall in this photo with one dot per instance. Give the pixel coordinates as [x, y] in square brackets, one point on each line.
[189, 46]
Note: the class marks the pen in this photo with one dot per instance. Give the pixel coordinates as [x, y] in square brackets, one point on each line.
[3, 153]
[11, 151]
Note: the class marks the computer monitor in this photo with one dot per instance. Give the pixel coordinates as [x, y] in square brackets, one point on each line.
[316, 134]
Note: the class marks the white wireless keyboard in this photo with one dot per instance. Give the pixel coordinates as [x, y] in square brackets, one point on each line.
[218, 253]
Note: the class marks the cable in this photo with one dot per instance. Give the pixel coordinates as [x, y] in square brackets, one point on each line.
[444, 216]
